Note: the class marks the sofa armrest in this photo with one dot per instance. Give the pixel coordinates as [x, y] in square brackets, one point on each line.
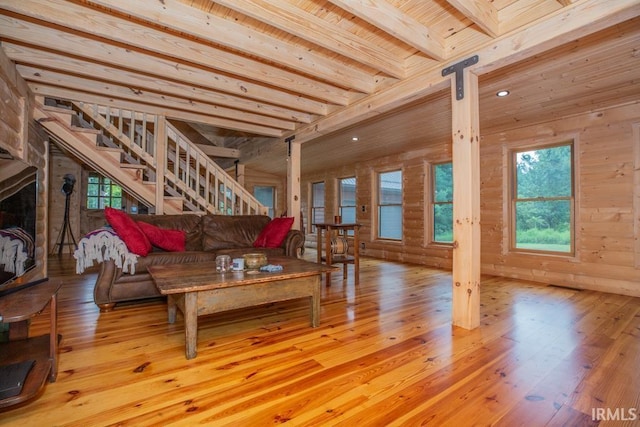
[102, 288]
[294, 243]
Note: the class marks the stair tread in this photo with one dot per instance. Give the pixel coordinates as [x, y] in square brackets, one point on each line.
[56, 109]
[113, 149]
[122, 163]
[87, 130]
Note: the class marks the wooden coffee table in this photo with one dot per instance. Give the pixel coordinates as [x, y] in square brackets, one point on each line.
[197, 289]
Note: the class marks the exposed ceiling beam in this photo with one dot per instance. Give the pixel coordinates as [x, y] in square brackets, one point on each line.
[78, 67]
[215, 151]
[393, 21]
[570, 23]
[52, 78]
[183, 18]
[287, 17]
[483, 13]
[32, 33]
[148, 39]
[63, 93]
[208, 147]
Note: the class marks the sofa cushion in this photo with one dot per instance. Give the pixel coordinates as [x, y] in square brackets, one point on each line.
[231, 231]
[273, 234]
[164, 238]
[189, 223]
[127, 229]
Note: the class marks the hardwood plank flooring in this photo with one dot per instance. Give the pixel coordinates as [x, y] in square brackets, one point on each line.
[385, 354]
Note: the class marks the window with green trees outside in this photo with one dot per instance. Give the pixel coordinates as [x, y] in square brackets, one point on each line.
[543, 199]
[442, 202]
[103, 192]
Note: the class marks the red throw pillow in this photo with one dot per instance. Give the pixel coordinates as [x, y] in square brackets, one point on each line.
[164, 238]
[273, 234]
[128, 231]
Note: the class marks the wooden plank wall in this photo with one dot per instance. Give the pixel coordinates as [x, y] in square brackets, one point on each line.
[254, 178]
[60, 164]
[604, 150]
[37, 156]
[606, 256]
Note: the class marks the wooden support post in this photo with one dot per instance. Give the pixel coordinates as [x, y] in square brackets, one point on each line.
[636, 194]
[466, 204]
[293, 182]
[239, 173]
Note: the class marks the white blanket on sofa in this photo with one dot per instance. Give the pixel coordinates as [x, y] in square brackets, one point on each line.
[101, 245]
[16, 247]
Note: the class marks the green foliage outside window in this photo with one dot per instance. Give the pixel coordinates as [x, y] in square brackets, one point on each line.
[443, 203]
[103, 192]
[543, 199]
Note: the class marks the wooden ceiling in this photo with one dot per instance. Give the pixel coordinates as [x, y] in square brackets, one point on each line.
[249, 73]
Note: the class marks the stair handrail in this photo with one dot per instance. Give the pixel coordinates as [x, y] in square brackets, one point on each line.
[233, 199]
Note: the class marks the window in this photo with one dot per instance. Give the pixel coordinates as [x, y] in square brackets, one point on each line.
[442, 202]
[317, 204]
[103, 192]
[347, 202]
[225, 199]
[266, 196]
[542, 205]
[390, 205]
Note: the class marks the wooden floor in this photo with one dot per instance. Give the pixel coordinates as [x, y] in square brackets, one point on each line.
[384, 355]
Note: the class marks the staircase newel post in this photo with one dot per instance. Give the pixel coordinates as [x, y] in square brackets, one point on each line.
[160, 156]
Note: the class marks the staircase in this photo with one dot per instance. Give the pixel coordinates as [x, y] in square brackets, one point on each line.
[147, 156]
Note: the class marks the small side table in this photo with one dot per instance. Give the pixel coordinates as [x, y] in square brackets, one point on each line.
[17, 308]
[329, 230]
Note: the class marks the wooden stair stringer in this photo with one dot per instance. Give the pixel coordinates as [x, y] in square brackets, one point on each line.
[111, 129]
[172, 204]
[83, 145]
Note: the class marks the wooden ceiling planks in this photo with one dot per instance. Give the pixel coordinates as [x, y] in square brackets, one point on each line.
[311, 67]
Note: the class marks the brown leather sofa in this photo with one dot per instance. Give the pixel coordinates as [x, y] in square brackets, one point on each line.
[207, 236]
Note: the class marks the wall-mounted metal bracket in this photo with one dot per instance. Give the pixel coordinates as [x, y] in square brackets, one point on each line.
[458, 69]
[288, 141]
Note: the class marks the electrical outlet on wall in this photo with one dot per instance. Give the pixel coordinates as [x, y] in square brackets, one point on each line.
[363, 208]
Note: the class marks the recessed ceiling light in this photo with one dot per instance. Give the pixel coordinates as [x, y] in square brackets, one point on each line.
[502, 93]
[354, 138]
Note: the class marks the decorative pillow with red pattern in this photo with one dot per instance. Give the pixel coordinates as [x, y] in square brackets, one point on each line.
[167, 239]
[274, 233]
[127, 229]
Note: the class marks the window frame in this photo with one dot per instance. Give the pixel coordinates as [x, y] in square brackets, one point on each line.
[513, 198]
[433, 203]
[99, 197]
[272, 208]
[313, 207]
[379, 205]
[342, 206]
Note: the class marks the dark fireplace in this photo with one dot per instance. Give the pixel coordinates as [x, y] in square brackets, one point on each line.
[18, 190]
